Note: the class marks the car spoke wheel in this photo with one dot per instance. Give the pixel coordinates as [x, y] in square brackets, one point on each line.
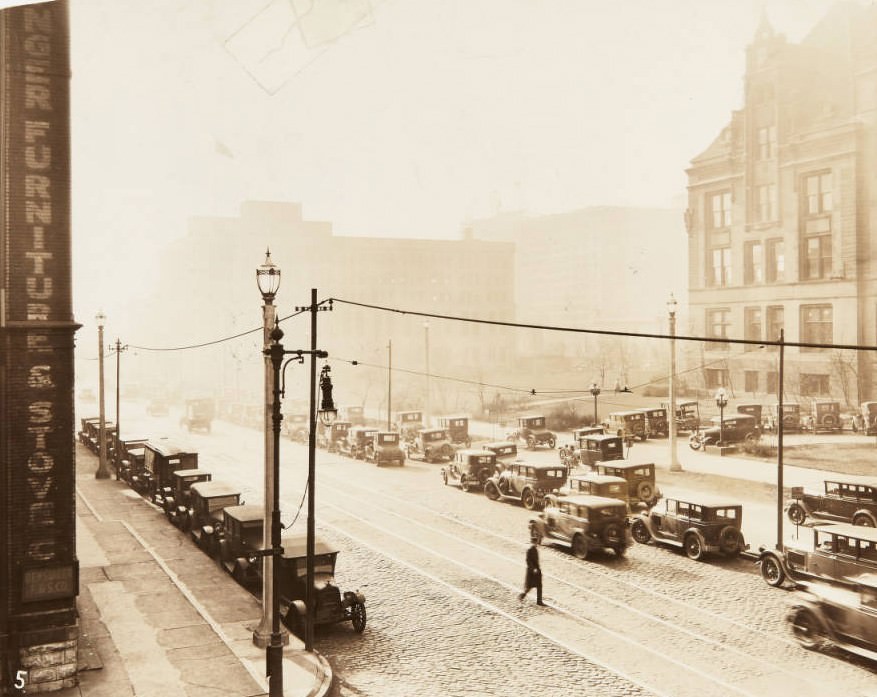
[552, 442]
[772, 571]
[445, 477]
[640, 532]
[580, 547]
[807, 628]
[464, 483]
[694, 442]
[491, 491]
[531, 443]
[358, 617]
[864, 520]
[693, 547]
[729, 540]
[645, 491]
[796, 514]
[528, 498]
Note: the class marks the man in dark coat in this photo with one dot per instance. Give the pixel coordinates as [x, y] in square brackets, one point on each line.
[533, 579]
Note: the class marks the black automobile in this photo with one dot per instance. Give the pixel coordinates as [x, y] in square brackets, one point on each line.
[736, 428]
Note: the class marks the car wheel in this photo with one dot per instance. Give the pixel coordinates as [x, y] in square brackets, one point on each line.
[751, 437]
[772, 571]
[528, 498]
[796, 513]
[693, 547]
[491, 491]
[483, 476]
[864, 520]
[445, 477]
[358, 617]
[552, 442]
[295, 622]
[807, 628]
[694, 442]
[464, 483]
[620, 550]
[640, 532]
[729, 541]
[531, 443]
[580, 546]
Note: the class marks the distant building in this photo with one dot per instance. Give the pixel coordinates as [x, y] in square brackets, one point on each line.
[610, 268]
[781, 210]
[210, 274]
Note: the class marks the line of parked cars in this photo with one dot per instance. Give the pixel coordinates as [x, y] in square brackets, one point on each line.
[231, 531]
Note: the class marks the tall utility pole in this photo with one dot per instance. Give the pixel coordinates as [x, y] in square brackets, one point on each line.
[671, 417]
[428, 413]
[117, 350]
[102, 471]
[389, 383]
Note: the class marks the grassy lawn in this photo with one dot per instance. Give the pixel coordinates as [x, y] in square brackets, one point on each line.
[844, 458]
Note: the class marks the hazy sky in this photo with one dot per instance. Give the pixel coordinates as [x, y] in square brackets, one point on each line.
[421, 114]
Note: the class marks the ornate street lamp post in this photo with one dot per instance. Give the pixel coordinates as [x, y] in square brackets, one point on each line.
[268, 282]
[671, 417]
[595, 390]
[103, 471]
[721, 403]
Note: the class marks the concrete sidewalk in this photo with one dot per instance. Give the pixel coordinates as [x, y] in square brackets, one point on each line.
[158, 618]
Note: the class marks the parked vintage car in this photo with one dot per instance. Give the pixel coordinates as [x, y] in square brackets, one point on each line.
[355, 414]
[198, 414]
[240, 542]
[203, 519]
[358, 442]
[532, 432]
[526, 483]
[826, 417]
[851, 502]
[429, 445]
[160, 459]
[640, 477]
[845, 617]
[733, 428]
[330, 437]
[697, 528]
[626, 424]
[594, 484]
[457, 428]
[569, 453]
[296, 427]
[586, 523]
[754, 409]
[506, 452]
[687, 415]
[832, 552]
[157, 407]
[408, 423]
[174, 499]
[385, 449]
[866, 419]
[470, 469]
[127, 455]
[791, 417]
[657, 424]
[89, 435]
[600, 448]
[330, 604]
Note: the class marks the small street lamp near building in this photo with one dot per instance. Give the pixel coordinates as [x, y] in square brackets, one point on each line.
[721, 403]
[595, 391]
[103, 471]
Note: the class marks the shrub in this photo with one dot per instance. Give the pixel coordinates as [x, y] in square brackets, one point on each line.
[759, 449]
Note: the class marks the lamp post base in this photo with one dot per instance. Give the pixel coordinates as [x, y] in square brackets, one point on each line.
[262, 636]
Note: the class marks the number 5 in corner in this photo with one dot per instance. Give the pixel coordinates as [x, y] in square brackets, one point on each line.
[20, 679]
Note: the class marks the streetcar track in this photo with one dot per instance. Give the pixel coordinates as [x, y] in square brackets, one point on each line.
[596, 571]
[611, 601]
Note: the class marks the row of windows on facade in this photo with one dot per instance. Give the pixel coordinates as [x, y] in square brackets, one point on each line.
[810, 384]
[765, 324]
[817, 200]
